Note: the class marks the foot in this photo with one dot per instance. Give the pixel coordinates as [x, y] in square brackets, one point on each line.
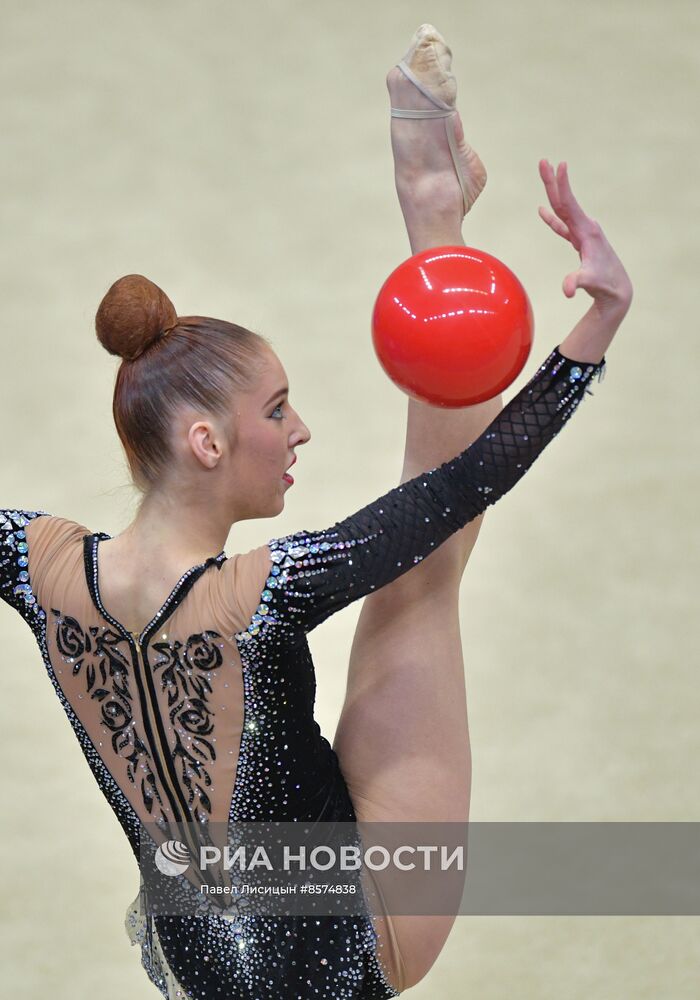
[426, 181]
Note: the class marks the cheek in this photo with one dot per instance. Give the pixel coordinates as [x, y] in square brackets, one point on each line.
[261, 453]
[271, 447]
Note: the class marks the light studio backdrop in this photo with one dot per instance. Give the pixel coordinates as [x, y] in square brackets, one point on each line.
[238, 155]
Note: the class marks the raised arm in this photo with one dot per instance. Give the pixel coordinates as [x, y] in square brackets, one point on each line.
[314, 573]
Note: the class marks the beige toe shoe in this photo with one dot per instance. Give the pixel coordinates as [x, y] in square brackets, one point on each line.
[427, 64]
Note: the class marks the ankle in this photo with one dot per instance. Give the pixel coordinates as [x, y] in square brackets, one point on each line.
[431, 210]
[429, 193]
[427, 232]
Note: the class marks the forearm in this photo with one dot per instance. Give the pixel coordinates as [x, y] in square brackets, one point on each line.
[317, 573]
[593, 334]
[432, 439]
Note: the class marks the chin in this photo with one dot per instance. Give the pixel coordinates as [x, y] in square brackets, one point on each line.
[260, 511]
[273, 509]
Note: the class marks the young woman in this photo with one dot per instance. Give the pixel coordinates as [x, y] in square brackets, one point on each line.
[186, 674]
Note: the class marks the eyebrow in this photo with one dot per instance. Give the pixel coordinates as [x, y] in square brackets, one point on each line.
[276, 395]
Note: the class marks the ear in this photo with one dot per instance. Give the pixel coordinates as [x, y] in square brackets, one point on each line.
[204, 440]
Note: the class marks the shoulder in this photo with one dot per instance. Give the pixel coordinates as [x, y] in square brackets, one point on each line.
[14, 543]
[253, 582]
[242, 579]
[31, 542]
[262, 586]
[48, 535]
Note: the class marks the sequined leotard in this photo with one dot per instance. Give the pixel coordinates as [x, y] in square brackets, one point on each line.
[208, 714]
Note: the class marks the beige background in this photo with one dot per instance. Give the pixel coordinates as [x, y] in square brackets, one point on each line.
[238, 155]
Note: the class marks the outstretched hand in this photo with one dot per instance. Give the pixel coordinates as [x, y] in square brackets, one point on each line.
[601, 273]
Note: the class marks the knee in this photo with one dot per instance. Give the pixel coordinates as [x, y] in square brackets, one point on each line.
[408, 975]
[413, 948]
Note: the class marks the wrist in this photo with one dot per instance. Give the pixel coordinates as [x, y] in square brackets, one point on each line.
[612, 308]
[613, 303]
[594, 332]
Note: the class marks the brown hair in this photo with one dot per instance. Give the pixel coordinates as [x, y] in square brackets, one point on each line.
[168, 361]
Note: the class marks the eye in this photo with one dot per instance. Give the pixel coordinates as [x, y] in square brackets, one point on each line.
[276, 409]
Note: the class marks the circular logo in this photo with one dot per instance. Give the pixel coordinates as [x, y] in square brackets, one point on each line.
[172, 858]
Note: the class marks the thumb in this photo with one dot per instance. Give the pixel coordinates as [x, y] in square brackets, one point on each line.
[571, 283]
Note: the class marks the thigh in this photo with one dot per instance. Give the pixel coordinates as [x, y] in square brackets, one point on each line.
[403, 738]
[404, 717]
[406, 686]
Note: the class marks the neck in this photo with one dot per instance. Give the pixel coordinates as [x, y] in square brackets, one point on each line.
[179, 532]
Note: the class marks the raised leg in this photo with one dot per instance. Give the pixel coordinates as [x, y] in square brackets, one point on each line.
[403, 739]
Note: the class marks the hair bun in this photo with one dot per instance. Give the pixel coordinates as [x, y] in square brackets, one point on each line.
[132, 316]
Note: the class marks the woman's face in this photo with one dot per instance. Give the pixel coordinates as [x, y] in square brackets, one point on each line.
[266, 432]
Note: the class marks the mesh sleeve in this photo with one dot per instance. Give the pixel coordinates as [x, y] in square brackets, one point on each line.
[315, 573]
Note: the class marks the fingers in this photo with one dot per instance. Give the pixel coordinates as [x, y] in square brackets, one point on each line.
[559, 227]
[569, 220]
[554, 220]
[560, 195]
[564, 204]
[550, 183]
[600, 273]
[568, 202]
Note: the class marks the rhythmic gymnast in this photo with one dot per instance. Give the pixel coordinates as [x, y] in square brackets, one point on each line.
[186, 674]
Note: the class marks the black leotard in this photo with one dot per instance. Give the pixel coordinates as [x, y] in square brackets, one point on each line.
[208, 714]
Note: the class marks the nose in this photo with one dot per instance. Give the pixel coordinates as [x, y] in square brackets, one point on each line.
[301, 434]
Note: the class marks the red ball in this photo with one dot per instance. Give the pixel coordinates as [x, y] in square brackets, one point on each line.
[452, 326]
